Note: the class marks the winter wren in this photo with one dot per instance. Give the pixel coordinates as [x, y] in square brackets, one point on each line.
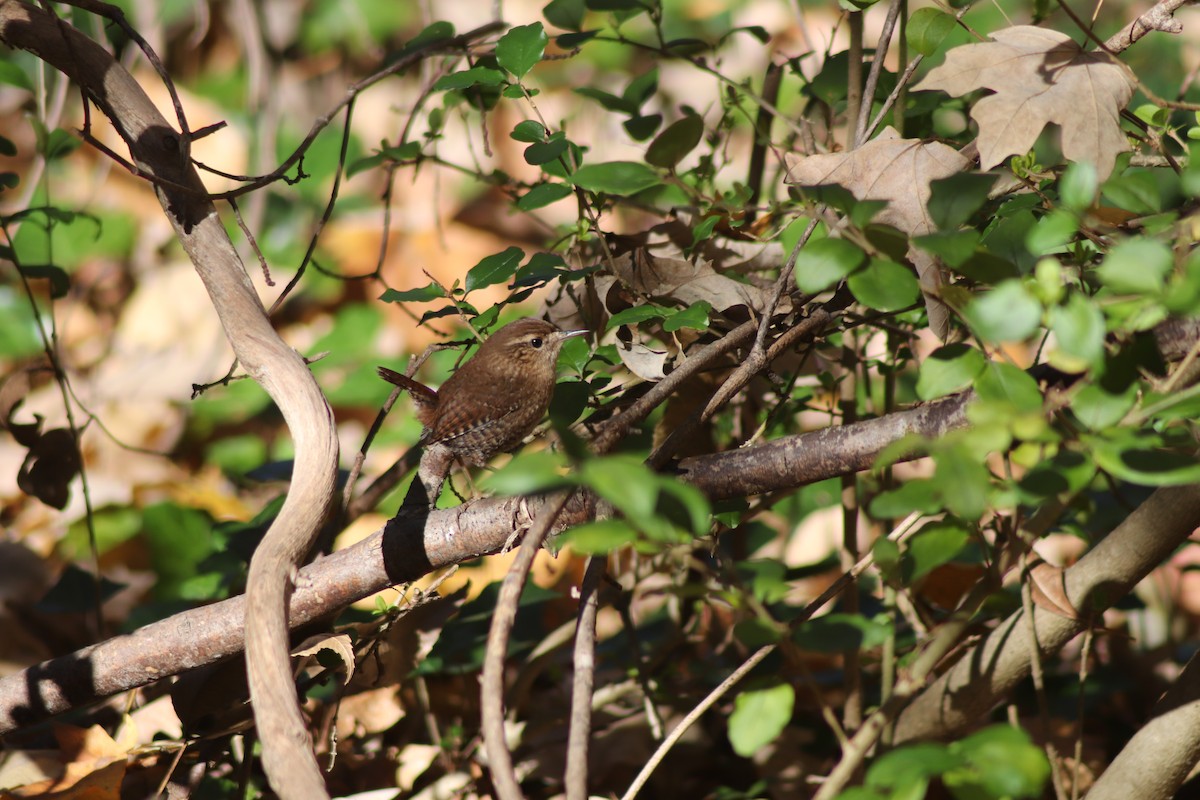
[491, 403]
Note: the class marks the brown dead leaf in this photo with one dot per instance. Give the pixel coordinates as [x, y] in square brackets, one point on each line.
[886, 168]
[338, 644]
[685, 282]
[1039, 76]
[899, 172]
[1047, 586]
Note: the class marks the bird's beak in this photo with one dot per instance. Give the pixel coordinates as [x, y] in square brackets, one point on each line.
[570, 334]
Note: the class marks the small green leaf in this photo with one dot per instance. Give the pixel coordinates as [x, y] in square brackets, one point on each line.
[496, 268]
[616, 177]
[60, 282]
[935, 544]
[954, 199]
[599, 537]
[607, 100]
[12, 74]
[927, 29]
[885, 285]
[918, 494]
[1052, 232]
[1001, 762]
[424, 294]
[636, 315]
[1078, 327]
[1003, 383]
[949, 369]
[1078, 185]
[529, 130]
[962, 480]
[834, 633]
[823, 263]
[912, 765]
[1008, 313]
[527, 472]
[521, 47]
[642, 126]
[1142, 460]
[625, 482]
[566, 14]
[1136, 266]
[1098, 408]
[758, 717]
[475, 76]
[694, 316]
[543, 195]
[540, 153]
[676, 141]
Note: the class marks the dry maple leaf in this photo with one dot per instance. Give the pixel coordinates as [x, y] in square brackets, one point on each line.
[1039, 76]
[898, 171]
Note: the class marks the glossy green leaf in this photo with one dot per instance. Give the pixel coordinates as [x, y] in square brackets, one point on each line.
[529, 130]
[540, 153]
[1098, 408]
[949, 369]
[642, 126]
[676, 141]
[636, 315]
[475, 76]
[1008, 313]
[496, 268]
[963, 481]
[823, 263]
[616, 177]
[927, 29]
[1078, 186]
[694, 316]
[543, 195]
[625, 482]
[521, 47]
[430, 291]
[1143, 461]
[918, 494]
[885, 285]
[1002, 762]
[1051, 233]
[759, 716]
[913, 765]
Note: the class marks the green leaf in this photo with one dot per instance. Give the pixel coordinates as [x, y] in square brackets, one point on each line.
[625, 482]
[949, 369]
[521, 47]
[1008, 313]
[918, 494]
[607, 100]
[543, 195]
[694, 316]
[952, 200]
[676, 141]
[1078, 185]
[885, 285]
[1142, 460]
[956, 248]
[935, 544]
[566, 14]
[540, 153]
[1098, 408]
[927, 29]
[636, 315]
[1002, 762]
[529, 130]
[493, 269]
[1078, 327]
[475, 76]
[12, 74]
[599, 537]
[1136, 266]
[823, 263]
[75, 592]
[962, 480]
[912, 765]
[527, 472]
[619, 178]
[423, 294]
[642, 126]
[835, 633]
[759, 716]
[1003, 383]
[1052, 232]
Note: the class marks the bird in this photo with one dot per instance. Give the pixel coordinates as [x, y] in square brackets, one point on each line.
[490, 404]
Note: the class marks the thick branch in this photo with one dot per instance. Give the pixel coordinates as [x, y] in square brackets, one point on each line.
[970, 689]
[161, 154]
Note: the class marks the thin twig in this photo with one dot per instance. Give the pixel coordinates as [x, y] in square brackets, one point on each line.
[584, 661]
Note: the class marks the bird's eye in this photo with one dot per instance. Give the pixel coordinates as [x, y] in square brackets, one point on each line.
[536, 341]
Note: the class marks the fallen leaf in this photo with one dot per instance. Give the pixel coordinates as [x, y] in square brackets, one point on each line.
[338, 644]
[1047, 586]
[1039, 76]
[685, 282]
[897, 171]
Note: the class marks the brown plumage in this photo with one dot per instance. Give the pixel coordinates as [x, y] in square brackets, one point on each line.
[495, 399]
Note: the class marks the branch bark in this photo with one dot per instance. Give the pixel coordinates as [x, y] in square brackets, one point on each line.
[161, 153]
